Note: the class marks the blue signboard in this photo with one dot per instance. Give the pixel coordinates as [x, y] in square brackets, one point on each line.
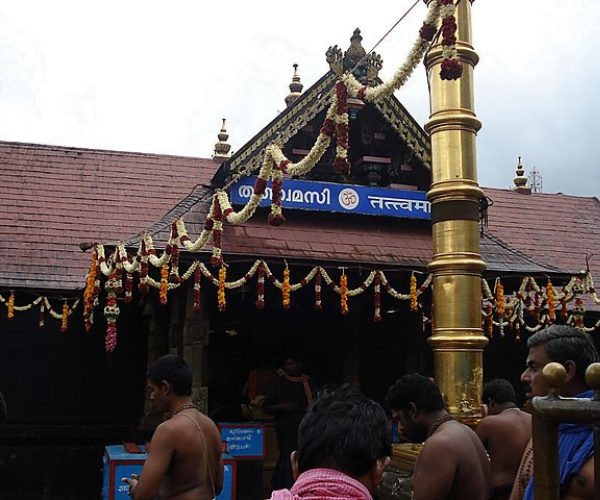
[244, 440]
[229, 480]
[310, 195]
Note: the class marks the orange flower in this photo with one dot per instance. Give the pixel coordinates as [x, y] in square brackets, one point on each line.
[221, 292]
[286, 289]
[414, 305]
[89, 293]
[344, 293]
[11, 306]
[164, 281]
[551, 302]
[500, 302]
[65, 318]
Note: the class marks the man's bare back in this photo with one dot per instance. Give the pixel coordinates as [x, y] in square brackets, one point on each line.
[177, 461]
[505, 436]
[187, 476]
[452, 465]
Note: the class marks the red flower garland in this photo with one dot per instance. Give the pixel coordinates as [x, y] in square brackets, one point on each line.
[377, 296]
[341, 165]
[318, 281]
[217, 230]
[260, 287]
[451, 68]
[197, 275]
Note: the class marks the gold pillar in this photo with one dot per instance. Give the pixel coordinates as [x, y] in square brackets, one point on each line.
[456, 265]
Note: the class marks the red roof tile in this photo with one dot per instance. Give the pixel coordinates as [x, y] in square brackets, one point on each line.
[557, 229]
[53, 198]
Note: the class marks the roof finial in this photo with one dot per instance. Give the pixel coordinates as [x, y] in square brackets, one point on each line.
[295, 87]
[520, 180]
[222, 147]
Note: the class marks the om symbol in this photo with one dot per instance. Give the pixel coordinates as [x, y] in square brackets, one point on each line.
[348, 198]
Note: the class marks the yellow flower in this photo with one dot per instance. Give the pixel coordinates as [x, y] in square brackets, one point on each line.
[11, 306]
[285, 289]
[414, 305]
[65, 318]
[164, 281]
[221, 292]
[344, 293]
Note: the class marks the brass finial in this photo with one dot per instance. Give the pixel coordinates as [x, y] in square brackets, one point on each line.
[520, 180]
[555, 375]
[295, 87]
[222, 147]
[592, 379]
[364, 67]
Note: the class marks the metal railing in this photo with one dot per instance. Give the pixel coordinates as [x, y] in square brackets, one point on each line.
[550, 411]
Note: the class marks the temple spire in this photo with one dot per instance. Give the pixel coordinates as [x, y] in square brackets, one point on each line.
[520, 180]
[222, 147]
[295, 87]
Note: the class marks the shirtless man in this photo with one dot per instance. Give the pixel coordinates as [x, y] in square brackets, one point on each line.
[184, 460]
[575, 350]
[505, 433]
[453, 463]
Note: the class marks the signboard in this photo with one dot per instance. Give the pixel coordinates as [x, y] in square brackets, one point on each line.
[229, 479]
[118, 463]
[394, 431]
[310, 195]
[244, 440]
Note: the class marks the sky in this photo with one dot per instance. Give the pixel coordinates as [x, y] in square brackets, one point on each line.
[158, 77]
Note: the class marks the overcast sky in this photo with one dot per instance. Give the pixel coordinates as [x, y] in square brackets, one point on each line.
[155, 76]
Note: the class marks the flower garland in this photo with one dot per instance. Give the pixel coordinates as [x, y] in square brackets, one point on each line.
[164, 281]
[377, 296]
[340, 163]
[88, 294]
[41, 321]
[451, 68]
[286, 289]
[414, 304]
[260, 287]
[221, 293]
[111, 311]
[64, 324]
[500, 302]
[11, 306]
[197, 275]
[318, 279]
[551, 302]
[344, 293]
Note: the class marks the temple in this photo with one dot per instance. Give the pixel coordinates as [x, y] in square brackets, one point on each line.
[112, 259]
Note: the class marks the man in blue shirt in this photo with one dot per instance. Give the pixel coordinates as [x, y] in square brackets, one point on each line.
[575, 350]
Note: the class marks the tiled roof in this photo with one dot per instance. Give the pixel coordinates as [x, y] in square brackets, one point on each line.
[557, 229]
[360, 240]
[54, 198]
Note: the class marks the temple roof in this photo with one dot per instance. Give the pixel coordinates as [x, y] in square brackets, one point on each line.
[53, 198]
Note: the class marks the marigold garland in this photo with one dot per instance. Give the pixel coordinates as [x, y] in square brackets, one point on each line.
[414, 305]
[286, 289]
[164, 281]
[11, 306]
[64, 325]
[344, 293]
[500, 300]
[221, 291]
[551, 302]
[89, 293]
